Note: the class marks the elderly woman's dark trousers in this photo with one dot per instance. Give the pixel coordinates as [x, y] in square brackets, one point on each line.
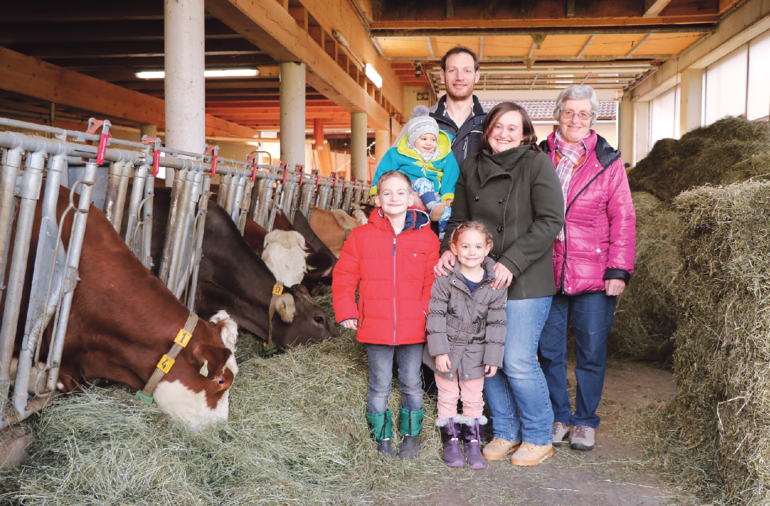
[591, 315]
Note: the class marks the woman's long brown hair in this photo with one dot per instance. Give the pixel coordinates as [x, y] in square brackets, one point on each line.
[529, 137]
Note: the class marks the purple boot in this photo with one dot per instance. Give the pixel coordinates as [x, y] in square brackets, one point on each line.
[472, 435]
[450, 436]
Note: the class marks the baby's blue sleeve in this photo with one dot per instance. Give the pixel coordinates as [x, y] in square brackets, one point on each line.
[449, 179]
[387, 163]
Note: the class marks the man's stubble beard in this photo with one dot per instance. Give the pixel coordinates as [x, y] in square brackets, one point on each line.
[459, 98]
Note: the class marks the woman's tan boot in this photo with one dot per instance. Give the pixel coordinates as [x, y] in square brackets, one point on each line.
[531, 455]
[498, 449]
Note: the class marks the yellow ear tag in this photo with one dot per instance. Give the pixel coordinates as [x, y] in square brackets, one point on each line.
[166, 363]
[277, 289]
[182, 338]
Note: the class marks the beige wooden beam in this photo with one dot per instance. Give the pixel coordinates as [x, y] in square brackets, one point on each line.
[37, 79]
[273, 30]
[654, 7]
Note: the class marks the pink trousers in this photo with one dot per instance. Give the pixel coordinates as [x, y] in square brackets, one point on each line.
[449, 392]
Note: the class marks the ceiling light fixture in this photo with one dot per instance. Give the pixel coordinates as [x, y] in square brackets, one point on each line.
[373, 75]
[159, 74]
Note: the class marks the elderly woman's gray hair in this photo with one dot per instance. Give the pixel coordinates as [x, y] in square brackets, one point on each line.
[577, 92]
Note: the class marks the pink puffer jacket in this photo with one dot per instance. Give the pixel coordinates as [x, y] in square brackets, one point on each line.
[600, 222]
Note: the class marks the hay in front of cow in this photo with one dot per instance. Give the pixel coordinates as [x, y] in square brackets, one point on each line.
[646, 312]
[716, 432]
[730, 150]
[296, 434]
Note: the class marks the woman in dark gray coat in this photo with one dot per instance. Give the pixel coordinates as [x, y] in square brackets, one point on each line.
[511, 187]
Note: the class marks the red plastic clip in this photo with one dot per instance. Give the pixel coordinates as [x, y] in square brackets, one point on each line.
[93, 125]
[252, 158]
[301, 175]
[314, 173]
[146, 139]
[334, 177]
[212, 150]
[285, 167]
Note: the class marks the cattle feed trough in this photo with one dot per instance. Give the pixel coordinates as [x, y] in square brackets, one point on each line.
[246, 189]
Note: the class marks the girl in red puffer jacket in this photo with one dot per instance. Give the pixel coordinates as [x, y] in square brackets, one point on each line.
[392, 257]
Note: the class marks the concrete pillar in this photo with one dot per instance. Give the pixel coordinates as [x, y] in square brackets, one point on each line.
[381, 145]
[293, 113]
[691, 100]
[358, 165]
[184, 38]
[149, 130]
[626, 129]
[641, 130]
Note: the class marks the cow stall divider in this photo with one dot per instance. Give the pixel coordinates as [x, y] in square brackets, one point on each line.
[126, 173]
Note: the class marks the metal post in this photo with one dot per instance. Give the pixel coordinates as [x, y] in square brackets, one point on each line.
[137, 190]
[47, 282]
[11, 164]
[245, 203]
[306, 203]
[29, 192]
[120, 204]
[224, 188]
[235, 209]
[73, 255]
[149, 195]
[203, 209]
[180, 229]
[230, 198]
[168, 245]
[113, 184]
[265, 198]
[348, 197]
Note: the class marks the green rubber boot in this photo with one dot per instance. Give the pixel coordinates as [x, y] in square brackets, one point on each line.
[410, 426]
[381, 427]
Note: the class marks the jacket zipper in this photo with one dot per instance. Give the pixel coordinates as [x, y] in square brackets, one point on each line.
[394, 290]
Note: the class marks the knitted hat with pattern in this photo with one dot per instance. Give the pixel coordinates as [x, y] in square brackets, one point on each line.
[420, 124]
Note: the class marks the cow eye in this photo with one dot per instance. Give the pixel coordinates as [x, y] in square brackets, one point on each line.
[220, 381]
[318, 319]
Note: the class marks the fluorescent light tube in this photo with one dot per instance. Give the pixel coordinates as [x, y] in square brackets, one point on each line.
[159, 74]
[373, 75]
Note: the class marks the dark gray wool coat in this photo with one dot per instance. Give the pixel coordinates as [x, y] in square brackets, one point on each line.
[517, 195]
[470, 327]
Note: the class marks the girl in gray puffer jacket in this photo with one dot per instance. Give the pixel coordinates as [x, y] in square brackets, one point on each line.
[466, 341]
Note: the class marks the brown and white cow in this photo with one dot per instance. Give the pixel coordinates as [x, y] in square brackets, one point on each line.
[333, 227]
[233, 277]
[122, 321]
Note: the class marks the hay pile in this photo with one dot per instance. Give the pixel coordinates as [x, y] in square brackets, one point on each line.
[717, 430]
[296, 435]
[646, 313]
[728, 151]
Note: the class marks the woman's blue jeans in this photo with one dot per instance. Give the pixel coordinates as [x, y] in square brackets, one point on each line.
[520, 383]
[592, 315]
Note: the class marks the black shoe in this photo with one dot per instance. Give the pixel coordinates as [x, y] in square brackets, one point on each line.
[383, 446]
[410, 447]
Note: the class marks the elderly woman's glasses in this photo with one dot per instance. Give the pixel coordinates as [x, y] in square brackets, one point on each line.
[581, 115]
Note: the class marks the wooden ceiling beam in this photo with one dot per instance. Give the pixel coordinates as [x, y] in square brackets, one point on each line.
[122, 49]
[654, 7]
[638, 45]
[271, 28]
[87, 31]
[33, 78]
[82, 10]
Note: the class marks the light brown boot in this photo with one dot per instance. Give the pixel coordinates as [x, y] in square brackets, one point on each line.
[531, 455]
[499, 448]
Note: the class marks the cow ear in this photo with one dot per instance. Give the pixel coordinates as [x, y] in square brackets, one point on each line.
[285, 307]
[213, 359]
[228, 329]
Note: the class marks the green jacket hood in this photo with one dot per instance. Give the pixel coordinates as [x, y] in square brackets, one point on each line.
[444, 147]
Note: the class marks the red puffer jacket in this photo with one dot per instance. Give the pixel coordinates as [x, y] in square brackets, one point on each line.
[600, 222]
[396, 275]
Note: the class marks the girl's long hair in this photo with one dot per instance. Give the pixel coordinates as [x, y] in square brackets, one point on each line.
[529, 137]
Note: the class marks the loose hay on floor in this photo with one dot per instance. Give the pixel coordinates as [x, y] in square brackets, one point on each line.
[296, 434]
[646, 312]
[716, 433]
[730, 150]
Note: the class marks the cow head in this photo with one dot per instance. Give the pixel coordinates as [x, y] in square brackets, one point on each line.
[311, 325]
[196, 391]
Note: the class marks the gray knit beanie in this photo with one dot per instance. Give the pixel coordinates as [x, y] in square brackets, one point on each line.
[420, 124]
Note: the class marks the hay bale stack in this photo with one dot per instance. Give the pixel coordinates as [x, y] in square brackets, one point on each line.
[722, 363]
[728, 151]
[296, 434]
[646, 313]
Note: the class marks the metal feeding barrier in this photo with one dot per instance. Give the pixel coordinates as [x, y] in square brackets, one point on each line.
[100, 169]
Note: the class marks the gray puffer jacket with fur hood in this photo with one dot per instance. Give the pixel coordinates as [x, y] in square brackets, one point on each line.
[470, 327]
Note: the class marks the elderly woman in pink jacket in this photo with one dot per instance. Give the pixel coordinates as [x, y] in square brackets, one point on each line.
[593, 259]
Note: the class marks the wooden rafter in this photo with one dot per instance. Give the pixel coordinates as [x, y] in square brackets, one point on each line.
[638, 45]
[585, 46]
[654, 7]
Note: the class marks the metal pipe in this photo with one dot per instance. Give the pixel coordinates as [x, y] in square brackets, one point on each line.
[111, 197]
[168, 244]
[186, 249]
[47, 282]
[73, 262]
[149, 195]
[179, 231]
[203, 210]
[347, 198]
[29, 192]
[245, 204]
[224, 188]
[230, 197]
[140, 174]
[120, 205]
[11, 164]
[235, 209]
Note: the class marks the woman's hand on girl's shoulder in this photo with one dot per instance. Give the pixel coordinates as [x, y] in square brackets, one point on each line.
[446, 264]
[503, 277]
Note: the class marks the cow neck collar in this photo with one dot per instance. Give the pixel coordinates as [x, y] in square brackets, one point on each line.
[269, 348]
[167, 360]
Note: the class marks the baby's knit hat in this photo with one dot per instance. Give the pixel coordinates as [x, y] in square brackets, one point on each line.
[420, 124]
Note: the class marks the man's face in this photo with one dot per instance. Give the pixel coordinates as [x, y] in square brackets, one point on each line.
[460, 76]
